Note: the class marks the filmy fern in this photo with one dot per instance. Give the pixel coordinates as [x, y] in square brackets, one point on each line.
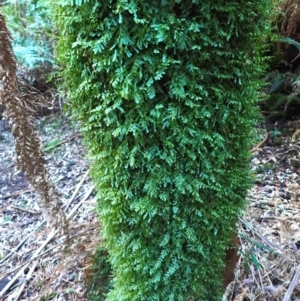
[165, 93]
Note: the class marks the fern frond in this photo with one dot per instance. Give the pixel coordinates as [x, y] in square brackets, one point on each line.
[7, 58]
[291, 42]
[280, 82]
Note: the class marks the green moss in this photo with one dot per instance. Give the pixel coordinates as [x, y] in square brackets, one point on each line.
[166, 93]
[99, 280]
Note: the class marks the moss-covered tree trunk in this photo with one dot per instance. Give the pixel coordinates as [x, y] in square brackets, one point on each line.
[165, 92]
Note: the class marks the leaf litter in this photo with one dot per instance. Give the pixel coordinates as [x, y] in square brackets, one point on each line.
[32, 263]
[269, 228]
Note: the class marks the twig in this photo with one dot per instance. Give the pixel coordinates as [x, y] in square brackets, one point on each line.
[77, 189]
[264, 217]
[39, 250]
[242, 295]
[293, 283]
[16, 194]
[34, 256]
[295, 134]
[259, 203]
[25, 263]
[21, 243]
[271, 244]
[25, 210]
[80, 203]
[295, 58]
[11, 282]
[259, 145]
[28, 276]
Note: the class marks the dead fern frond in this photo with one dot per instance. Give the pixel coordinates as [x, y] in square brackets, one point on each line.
[20, 110]
[7, 58]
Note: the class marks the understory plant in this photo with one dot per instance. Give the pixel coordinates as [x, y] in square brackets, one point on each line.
[283, 81]
[30, 24]
[31, 27]
[165, 93]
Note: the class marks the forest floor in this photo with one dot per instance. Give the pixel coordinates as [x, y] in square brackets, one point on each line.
[269, 230]
[34, 267]
[32, 263]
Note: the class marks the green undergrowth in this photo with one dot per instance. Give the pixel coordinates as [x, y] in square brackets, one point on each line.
[30, 24]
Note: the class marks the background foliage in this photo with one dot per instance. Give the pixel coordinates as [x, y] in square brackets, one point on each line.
[31, 27]
[165, 93]
[30, 24]
[283, 81]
